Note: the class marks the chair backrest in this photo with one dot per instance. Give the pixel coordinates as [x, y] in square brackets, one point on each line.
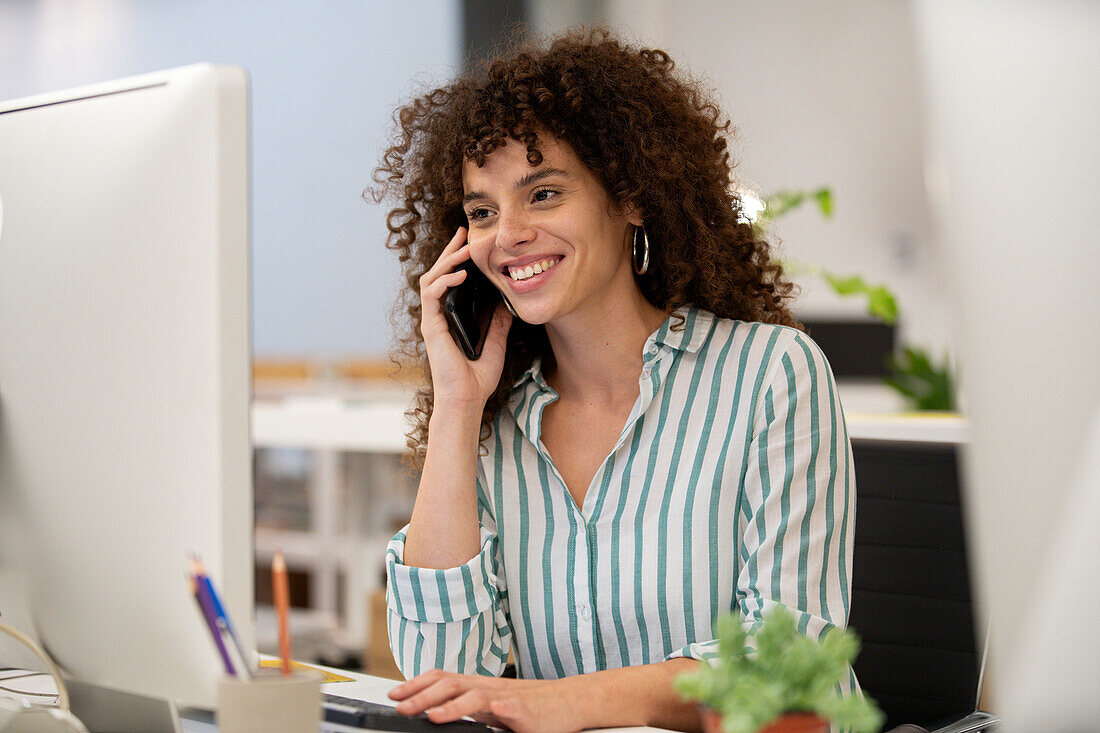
[911, 600]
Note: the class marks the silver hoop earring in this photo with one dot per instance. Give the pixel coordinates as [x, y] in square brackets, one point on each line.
[508, 305]
[642, 268]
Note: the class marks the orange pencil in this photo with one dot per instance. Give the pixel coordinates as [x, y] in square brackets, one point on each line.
[282, 603]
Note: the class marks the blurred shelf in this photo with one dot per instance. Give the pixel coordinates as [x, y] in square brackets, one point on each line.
[869, 396]
[330, 422]
[303, 549]
[911, 427]
[315, 633]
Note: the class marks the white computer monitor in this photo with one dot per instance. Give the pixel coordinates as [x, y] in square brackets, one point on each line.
[1013, 92]
[125, 374]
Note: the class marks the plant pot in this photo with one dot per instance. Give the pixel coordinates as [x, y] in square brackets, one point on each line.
[798, 723]
[789, 723]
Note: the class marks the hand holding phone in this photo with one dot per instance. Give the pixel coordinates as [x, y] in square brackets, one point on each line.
[469, 308]
[465, 341]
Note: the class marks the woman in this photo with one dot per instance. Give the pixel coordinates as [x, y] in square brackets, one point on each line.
[649, 443]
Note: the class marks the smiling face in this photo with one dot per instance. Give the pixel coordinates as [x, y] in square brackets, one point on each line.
[546, 235]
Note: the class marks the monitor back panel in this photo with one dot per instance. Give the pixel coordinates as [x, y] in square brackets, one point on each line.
[124, 372]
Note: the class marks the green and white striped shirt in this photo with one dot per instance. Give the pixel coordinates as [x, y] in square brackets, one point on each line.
[730, 487]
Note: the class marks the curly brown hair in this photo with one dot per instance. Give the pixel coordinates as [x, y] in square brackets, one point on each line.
[654, 138]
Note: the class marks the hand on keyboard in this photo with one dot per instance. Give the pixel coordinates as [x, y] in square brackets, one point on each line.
[372, 716]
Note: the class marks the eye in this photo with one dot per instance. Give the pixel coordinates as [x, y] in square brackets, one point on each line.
[478, 214]
[543, 194]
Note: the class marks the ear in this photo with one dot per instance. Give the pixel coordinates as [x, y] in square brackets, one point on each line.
[633, 214]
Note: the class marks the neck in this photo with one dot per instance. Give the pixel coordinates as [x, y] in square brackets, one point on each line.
[598, 359]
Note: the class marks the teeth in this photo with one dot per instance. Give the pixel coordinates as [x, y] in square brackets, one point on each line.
[522, 273]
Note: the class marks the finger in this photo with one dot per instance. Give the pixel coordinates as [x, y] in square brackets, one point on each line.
[431, 299]
[457, 240]
[449, 261]
[442, 692]
[456, 251]
[457, 244]
[445, 265]
[416, 684]
[471, 702]
[458, 256]
[436, 289]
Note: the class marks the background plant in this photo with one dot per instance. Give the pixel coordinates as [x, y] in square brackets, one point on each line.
[925, 384]
[758, 677]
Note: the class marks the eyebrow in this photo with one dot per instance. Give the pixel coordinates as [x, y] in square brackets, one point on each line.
[527, 180]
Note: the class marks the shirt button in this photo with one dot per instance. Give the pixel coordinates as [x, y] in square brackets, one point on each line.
[584, 611]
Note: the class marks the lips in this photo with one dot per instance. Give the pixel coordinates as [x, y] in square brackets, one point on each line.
[530, 273]
[523, 272]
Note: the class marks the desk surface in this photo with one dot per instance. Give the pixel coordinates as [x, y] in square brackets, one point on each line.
[362, 687]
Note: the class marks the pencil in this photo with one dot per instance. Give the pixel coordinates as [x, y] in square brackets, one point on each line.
[198, 570]
[208, 613]
[282, 602]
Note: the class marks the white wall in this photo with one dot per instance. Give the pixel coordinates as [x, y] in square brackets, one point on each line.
[820, 94]
[325, 79]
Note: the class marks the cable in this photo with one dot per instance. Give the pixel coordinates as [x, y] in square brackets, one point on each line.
[26, 673]
[62, 691]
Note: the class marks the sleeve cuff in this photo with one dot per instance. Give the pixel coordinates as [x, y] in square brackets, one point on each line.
[440, 596]
[704, 651]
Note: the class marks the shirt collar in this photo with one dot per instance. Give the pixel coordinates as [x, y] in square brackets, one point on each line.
[690, 337]
[533, 374]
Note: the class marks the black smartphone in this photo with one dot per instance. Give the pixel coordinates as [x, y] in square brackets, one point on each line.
[469, 309]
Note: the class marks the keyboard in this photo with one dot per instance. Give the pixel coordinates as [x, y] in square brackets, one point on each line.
[373, 716]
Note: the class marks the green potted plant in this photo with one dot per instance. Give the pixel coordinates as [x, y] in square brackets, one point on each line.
[923, 383]
[776, 680]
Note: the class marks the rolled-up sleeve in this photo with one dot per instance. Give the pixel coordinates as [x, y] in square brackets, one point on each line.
[797, 502]
[453, 619]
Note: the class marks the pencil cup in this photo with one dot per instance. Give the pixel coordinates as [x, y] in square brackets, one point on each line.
[271, 702]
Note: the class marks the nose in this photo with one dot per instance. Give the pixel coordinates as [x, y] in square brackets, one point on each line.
[513, 230]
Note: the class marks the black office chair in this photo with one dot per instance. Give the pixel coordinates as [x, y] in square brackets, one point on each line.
[911, 600]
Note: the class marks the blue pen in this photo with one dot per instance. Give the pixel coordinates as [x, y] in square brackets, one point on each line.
[211, 618]
[222, 618]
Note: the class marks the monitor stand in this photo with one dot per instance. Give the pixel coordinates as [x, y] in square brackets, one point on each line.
[106, 709]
